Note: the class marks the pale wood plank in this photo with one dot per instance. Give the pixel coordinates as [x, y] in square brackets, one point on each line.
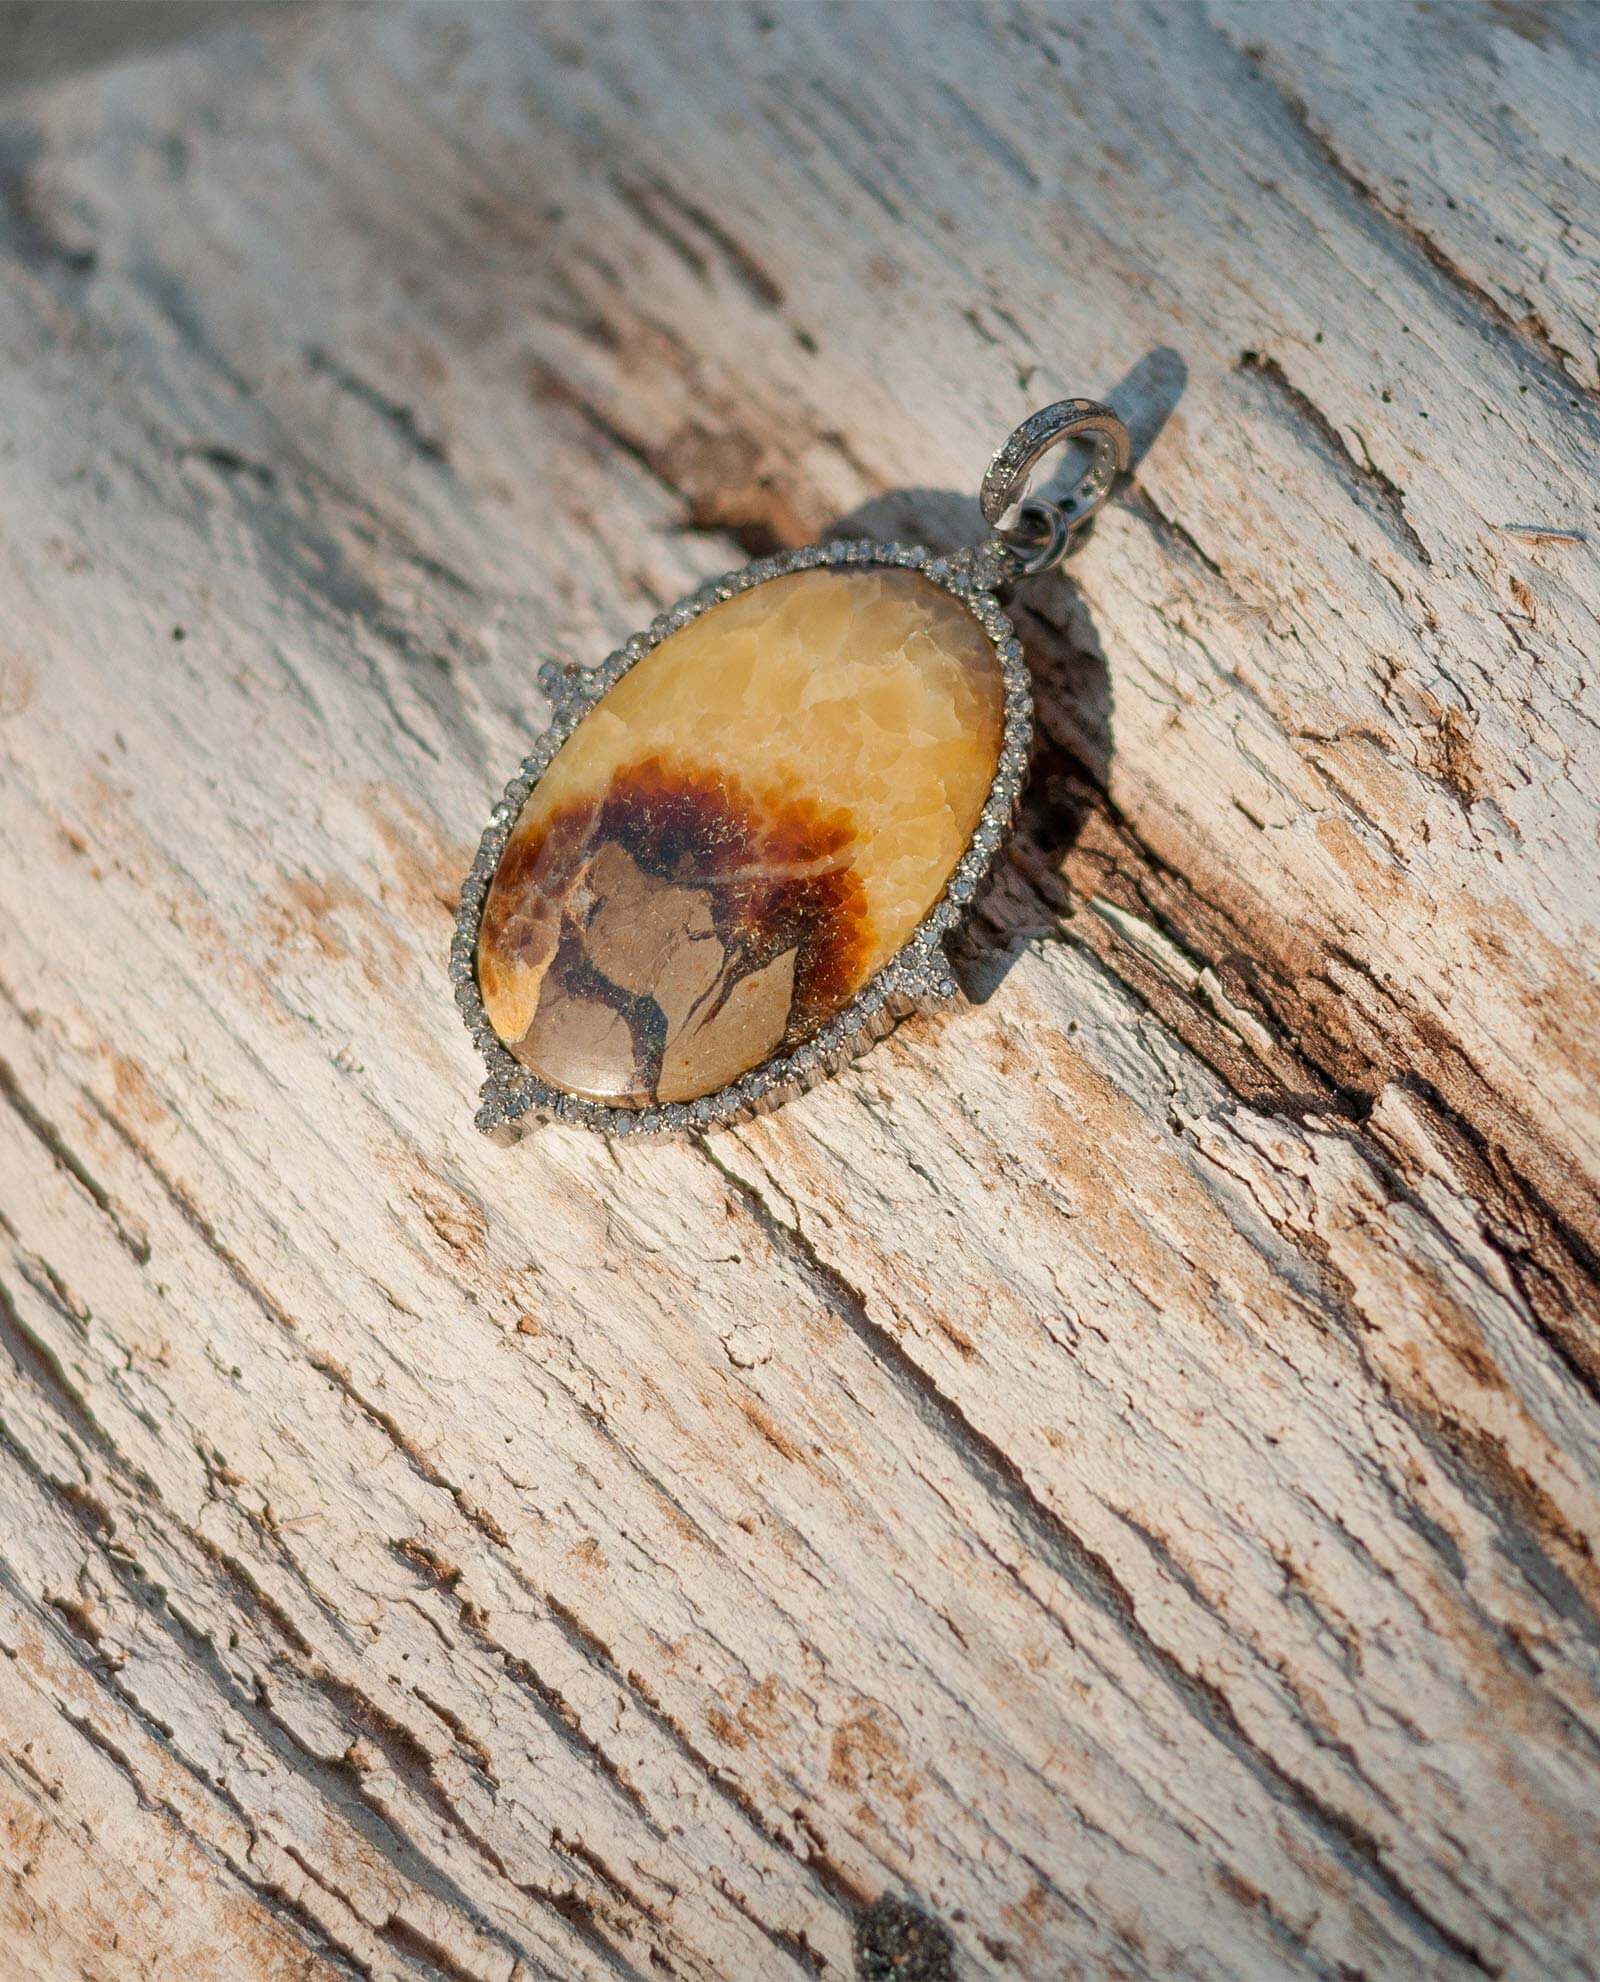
[1120, 1464]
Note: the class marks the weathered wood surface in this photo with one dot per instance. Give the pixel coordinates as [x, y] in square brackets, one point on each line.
[1119, 1466]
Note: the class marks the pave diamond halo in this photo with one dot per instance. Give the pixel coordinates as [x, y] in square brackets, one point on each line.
[733, 858]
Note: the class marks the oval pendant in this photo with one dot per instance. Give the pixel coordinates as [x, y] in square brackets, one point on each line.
[733, 858]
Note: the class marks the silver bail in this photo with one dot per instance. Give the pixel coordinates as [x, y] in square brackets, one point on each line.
[1033, 534]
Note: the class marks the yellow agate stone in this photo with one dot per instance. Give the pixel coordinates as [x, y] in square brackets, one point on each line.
[740, 833]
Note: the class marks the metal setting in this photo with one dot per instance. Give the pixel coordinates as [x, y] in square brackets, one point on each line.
[1040, 533]
[1032, 539]
[916, 977]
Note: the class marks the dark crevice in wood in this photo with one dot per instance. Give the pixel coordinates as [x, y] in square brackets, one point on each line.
[792, 1942]
[714, 477]
[229, 461]
[1530, 333]
[409, 1764]
[399, 417]
[831, 1879]
[1554, 1268]
[633, 1902]
[29, 233]
[1358, 474]
[1073, 845]
[1517, 1509]
[78, 1617]
[404, 1754]
[554, 1710]
[420, 1948]
[133, 1241]
[280, 1904]
[1184, 546]
[586, 1921]
[584, 1854]
[45, 1280]
[647, 196]
[551, 388]
[35, 1359]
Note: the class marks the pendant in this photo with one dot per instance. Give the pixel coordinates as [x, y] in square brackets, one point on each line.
[734, 858]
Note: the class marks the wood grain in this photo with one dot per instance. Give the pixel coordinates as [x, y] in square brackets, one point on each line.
[1118, 1467]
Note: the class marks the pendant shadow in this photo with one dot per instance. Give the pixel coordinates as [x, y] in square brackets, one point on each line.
[1069, 771]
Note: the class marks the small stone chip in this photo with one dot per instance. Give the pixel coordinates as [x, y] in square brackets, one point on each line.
[897, 1942]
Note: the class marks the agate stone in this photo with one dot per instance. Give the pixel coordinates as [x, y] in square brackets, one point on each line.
[740, 833]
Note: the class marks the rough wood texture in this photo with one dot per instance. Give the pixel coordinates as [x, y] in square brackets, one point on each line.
[1119, 1466]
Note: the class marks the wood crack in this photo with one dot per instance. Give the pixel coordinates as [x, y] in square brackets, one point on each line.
[129, 1235]
[398, 416]
[1094, 1581]
[1166, 1418]
[1529, 332]
[331, 1371]
[649, 195]
[342, 1959]
[29, 231]
[1360, 473]
[1314, 1050]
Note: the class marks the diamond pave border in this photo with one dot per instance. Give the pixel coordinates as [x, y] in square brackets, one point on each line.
[916, 977]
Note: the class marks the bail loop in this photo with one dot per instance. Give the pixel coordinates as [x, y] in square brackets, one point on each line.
[1038, 536]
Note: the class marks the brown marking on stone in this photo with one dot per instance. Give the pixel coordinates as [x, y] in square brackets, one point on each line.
[677, 901]
[746, 1024]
